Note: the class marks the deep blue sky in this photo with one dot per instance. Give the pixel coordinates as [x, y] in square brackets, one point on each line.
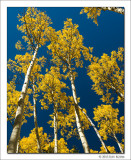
[107, 36]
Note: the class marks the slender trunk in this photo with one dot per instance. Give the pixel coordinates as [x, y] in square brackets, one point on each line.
[18, 143]
[93, 125]
[117, 92]
[35, 121]
[55, 125]
[19, 113]
[120, 147]
[114, 9]
[78, 123]
[55, 131]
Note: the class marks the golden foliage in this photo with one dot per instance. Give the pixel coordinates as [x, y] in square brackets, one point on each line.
[67, 47]
[35, 26]
[92, 12]
[111, 149]
[12, 99]
[51, 87]
[107, 76]
[29, 144]
[22, 62]
[107, 118]
[67, 121]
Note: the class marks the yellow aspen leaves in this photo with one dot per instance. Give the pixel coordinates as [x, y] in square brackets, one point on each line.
[107, 76]
[35, 26]
[111, 149]
[67, 121]
[51, 86]
[67, 46]
[102, 150]
[19, 46]
[19, 67]
[29, 144]
[108, 122]
[22, 62]
[12, 99]
[92, 12]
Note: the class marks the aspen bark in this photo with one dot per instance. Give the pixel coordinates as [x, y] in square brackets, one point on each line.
[117, 92]
[35, 121]
[55, 125]
[19, 113]
[114, 9]
[55, 131]
[94, 127]
[78, 123]
[18, 143]
[120, 147]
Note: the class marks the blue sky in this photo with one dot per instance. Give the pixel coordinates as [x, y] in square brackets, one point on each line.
[107, 36]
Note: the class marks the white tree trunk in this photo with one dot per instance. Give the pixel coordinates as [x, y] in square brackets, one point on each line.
[55, 125]
[55, 131]
[120, 147]
[117, 92]
[35, 121]
[93, 125]
[18, 143]
[114, 9]
[19, 113]
[78, 123]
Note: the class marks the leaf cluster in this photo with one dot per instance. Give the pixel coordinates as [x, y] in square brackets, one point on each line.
[107, 75]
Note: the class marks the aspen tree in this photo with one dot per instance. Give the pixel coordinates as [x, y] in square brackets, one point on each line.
[20, 65]
[94, 12]
[12, 98]
[35, 119]
[107, 118]
[51, 87]
[66, 48]
[35, 25]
